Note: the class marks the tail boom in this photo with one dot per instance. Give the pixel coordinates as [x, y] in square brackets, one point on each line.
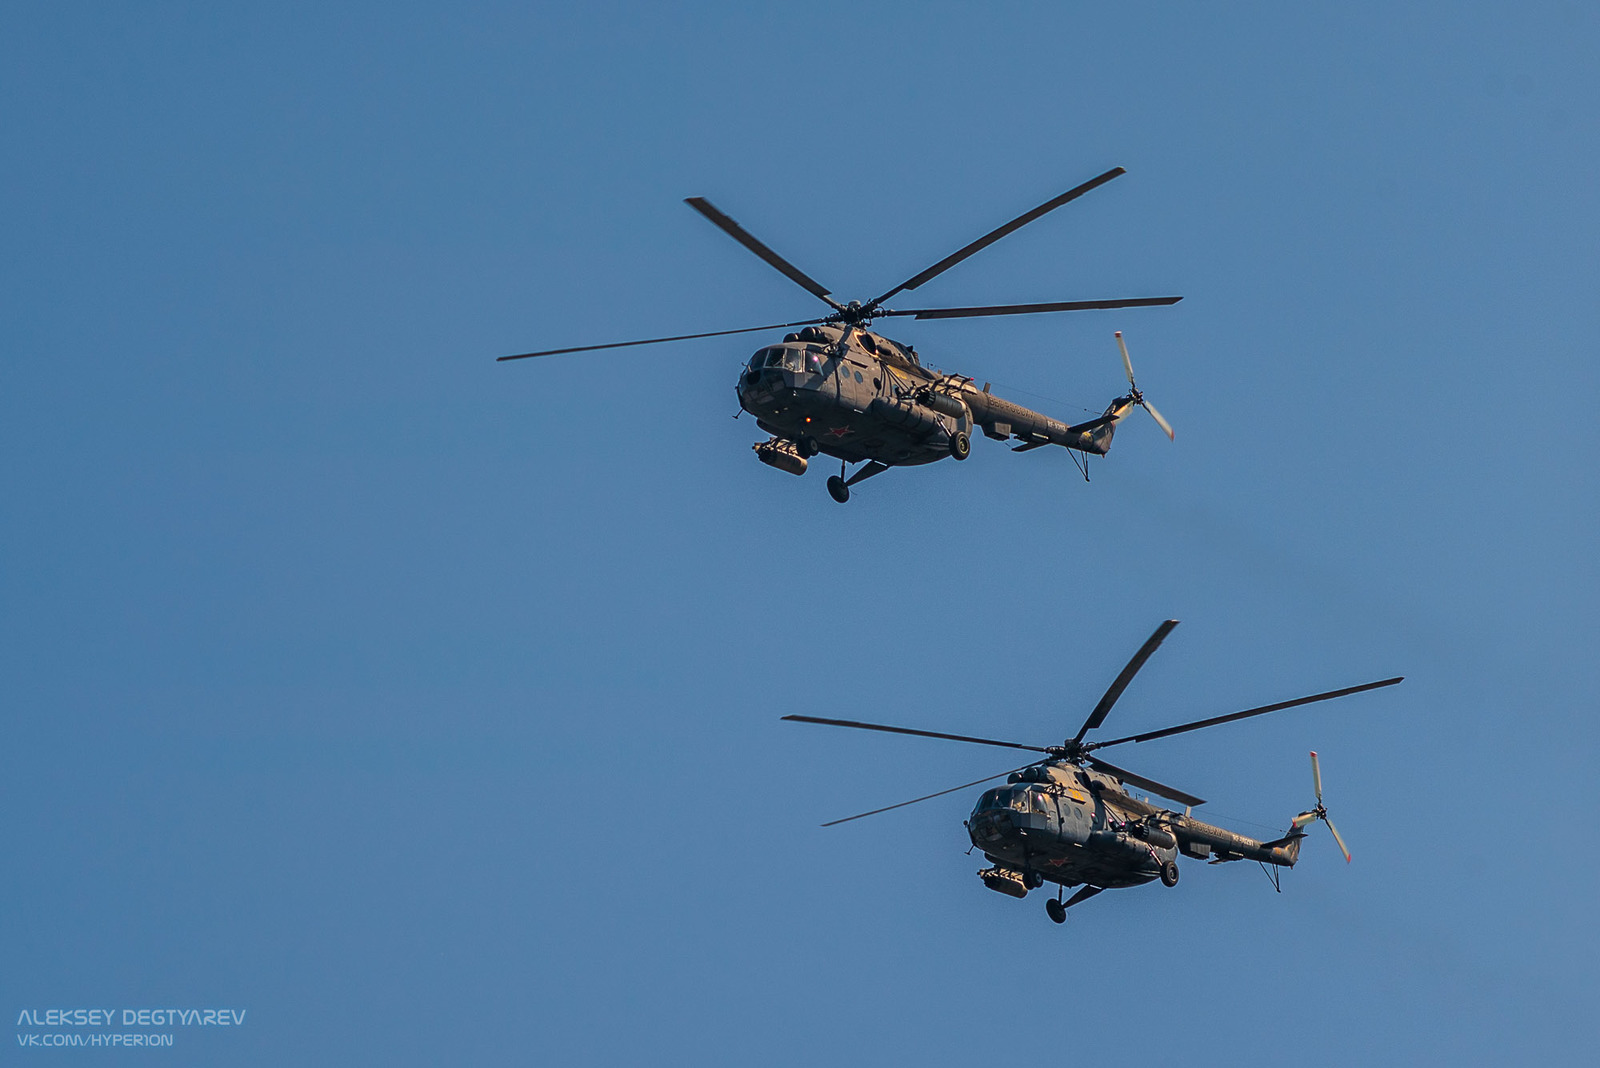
[1001, 419]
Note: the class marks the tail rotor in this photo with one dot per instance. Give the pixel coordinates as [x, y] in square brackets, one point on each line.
[1320, 812]
[1138, 397]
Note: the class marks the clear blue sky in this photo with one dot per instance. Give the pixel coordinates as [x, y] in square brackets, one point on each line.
[427, 707]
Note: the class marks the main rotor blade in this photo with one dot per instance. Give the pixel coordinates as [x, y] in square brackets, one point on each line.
[928, 797]
[749, 241]
[1151, 644]
[994, 235]
[908, 730]
[1263, 710]
[1163, 790]
[1338, 838]
[1029, 309]
[657, 340]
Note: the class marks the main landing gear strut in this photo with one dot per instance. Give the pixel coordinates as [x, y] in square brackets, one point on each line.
[839, 486]
[1057, 909]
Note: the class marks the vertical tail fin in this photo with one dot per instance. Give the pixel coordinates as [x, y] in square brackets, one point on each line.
[1288, 847]
[1102, 428]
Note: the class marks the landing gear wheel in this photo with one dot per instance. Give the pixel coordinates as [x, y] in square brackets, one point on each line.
[1169, 873]
[1056, 910]
[960, 445]
[837, 489]
[808, 447]
[1032, 880]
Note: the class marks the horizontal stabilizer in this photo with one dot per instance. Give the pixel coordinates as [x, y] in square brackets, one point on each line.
[1093, 424]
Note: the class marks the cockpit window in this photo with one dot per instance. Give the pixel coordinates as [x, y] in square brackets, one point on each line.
[999, 798]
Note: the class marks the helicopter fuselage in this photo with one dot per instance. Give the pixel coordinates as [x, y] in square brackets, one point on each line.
[1064, 832]
[858, 396]
[1073, 826]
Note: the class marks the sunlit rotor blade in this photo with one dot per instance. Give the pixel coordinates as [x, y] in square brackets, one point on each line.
[1316, 775]
[657, 340]
[1127, 364]
[928, 797]
[1150, 645]
[1301, 820]
[1263, 710]
[749, 241]
[1152, 785]
[994, 235]
[1029, 309]
[1162, 423]
[1337, 838]
[909, 730]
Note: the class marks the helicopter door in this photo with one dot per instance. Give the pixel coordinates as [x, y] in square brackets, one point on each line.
[836, 373]
[1044, 806]
[1074, 818]
[853, 390]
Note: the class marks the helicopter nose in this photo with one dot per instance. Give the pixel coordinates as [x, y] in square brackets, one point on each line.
[988, 828]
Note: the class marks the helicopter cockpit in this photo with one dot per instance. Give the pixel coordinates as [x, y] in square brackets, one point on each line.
[1013, 798]
[788, 358]
[769, 363]
[775, 356]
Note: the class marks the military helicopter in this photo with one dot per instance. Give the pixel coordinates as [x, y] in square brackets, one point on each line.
[1070, 820]
[837, 388]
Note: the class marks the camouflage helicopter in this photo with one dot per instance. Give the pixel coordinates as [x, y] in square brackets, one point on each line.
[837, 388]
[1070, 820]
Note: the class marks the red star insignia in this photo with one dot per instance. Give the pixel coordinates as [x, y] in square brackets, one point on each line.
[839, 431]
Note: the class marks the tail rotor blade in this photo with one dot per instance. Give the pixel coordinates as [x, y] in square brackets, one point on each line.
[1138, 398]
[1302, 820]
[1316, 775]
[1127, 364]
[1162, 423]
[1337, 838]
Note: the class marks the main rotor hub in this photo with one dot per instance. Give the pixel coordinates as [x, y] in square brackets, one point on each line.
[853, 314]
